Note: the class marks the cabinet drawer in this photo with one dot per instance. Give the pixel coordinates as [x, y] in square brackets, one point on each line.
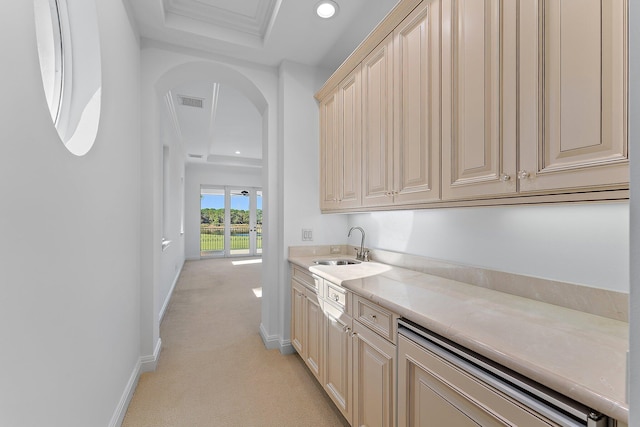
[304, 277]
[336, 295]
[376, 318]
[313, 296]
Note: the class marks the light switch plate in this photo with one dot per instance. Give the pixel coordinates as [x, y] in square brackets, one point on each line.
[307, 234]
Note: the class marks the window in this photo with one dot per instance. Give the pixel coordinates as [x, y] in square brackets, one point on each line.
[50, 52]
[69, 53]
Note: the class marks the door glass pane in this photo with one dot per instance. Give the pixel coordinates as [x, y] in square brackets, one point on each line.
[212, 222]
[239, 215]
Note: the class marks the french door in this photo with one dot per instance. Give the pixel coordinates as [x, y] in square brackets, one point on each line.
[230, 221]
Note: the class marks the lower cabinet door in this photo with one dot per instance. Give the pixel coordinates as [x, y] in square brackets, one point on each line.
[338, 359]
[432, 392]
[374, 379]
[297, 317]
[313, 333]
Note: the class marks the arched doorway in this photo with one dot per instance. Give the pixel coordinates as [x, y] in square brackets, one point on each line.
[165, 72]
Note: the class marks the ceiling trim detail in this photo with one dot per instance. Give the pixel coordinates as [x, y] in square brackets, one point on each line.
[251, 17]
[171, 108]
[214, 108]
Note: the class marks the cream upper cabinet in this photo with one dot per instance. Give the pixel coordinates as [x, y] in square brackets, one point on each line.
[573, 95]
[480, 102]
[400, 116]
[478, 98]
[341, 145]
[350, 141]
[416, 106]
[329, 152]
[377, 125]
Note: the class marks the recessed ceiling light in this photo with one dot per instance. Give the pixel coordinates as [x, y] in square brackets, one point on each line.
[326, 9]
[237, 152]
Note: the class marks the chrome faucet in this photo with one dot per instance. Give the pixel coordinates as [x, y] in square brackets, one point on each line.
[361, 254]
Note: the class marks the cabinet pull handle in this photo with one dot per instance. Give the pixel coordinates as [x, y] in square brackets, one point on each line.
[523, 174]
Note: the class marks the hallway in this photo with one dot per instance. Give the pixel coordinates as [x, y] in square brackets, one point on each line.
[214, 369]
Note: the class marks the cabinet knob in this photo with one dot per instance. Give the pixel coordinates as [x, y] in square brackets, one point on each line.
[523, 174]
[347, 329]
[373, 317]
[505, 177]
[335, 297]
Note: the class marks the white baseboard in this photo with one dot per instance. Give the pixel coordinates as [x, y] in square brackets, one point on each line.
[286, 347]
[144, 364]
[163, 309]
[273, 342]
[125, 399]
[150, 362]
[270, 341]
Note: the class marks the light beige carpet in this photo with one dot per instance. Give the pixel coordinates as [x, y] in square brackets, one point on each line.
[214, 369]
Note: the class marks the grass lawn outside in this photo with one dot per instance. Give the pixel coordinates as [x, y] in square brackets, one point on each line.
[215, 242]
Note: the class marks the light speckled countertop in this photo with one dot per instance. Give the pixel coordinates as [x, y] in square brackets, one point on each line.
[580, 355]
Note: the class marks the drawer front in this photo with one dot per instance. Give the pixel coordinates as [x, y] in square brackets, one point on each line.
[376, 318]
[304, 277]
[336, 295]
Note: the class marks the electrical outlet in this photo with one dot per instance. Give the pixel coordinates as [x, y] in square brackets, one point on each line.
[307, 234]
[335, 249]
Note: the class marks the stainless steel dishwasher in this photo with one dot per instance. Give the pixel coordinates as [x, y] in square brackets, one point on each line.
[544, 406]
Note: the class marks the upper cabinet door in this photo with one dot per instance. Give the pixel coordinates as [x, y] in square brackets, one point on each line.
[479, 66]
[350, 141]
[416, 104]
[329, 152]
[377, 125]
[573, 94]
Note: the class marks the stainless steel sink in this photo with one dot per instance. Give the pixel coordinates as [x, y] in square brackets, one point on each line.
[336, 261]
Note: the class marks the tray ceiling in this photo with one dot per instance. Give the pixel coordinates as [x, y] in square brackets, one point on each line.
[264, 32]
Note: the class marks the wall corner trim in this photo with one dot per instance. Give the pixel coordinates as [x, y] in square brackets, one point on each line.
[150, 362]
[272, 342]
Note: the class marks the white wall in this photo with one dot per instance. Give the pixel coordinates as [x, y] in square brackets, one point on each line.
[172, 258]
[284, 98]
[300, 175]
[69, 262]
[164, 67]
[579, 243]
[299, 136]
[202, 174]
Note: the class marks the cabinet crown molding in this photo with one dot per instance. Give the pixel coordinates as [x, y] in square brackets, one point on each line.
[386, 26]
